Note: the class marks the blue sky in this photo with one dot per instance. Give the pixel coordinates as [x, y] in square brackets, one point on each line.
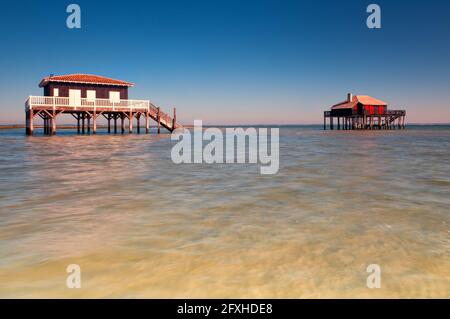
[236, 62]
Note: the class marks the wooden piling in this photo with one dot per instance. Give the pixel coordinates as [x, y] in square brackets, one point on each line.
[159, 121]
[138, 123]
[30, 117]
[88, 123]
[94, 119]
[174, 120]
[53, 121]
[130, 123]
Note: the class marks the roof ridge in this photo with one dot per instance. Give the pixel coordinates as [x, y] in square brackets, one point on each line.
[84, 78]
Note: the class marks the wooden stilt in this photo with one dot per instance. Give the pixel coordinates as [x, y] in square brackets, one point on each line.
[147, 123]
[138, 123]
[53, 121]
[174, 120]
[30, 116]
[159, 121]
[115, 123]
[324, 122]
[122, 123]
[109, 123]
[331, 123]
[94, 119]
[83, 117]
[27, 125]
[130, 123]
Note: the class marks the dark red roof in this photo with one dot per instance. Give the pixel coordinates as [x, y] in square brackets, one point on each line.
[363, 99]
[83, 78]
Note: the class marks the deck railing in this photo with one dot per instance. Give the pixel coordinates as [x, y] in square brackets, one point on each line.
[80, 103]
[356, 113]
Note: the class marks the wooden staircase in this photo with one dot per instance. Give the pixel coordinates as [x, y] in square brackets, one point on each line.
[168, 122]
[394, 115]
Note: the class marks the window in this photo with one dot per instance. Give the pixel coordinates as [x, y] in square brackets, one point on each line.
[91, 95]
[114, 96]
[55, 92]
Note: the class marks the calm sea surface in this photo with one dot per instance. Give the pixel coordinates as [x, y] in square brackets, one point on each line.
[140, 226]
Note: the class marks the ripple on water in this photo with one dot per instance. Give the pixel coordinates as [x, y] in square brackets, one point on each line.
[141, 226]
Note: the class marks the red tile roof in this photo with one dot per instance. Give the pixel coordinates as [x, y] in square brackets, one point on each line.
[368, 100]
[83, 78]
[363, 99]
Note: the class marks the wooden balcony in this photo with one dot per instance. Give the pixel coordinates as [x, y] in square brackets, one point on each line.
[68, 103]
[85, 109]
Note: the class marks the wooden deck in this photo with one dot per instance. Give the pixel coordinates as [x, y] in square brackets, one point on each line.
[391, 120]
[87, 112]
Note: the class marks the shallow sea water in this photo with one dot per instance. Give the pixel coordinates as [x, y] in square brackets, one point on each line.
[141, 226]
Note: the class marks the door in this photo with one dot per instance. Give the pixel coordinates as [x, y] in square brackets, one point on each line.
[75, 97]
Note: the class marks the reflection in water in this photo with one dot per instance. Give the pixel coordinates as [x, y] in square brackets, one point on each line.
[141, 226]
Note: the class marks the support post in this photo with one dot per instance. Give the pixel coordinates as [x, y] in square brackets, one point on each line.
[94, 118]
[30, 117]
[324, 122]
[130, 123]
[174, 121]
[122, 123]
[115, 123]
[331, 123]
[78, 123]
[53, 121]
[147, 123]
[159, 120]
[30, 122]
[83, 117]
[88, 123]
[138, 123]
[339, 123]
[109, 123]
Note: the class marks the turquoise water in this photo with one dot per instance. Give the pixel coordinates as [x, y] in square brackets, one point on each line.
[140, 226]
